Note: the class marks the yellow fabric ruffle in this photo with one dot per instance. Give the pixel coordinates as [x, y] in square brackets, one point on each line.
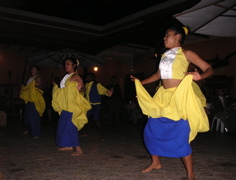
[71, 100]
[183, 102]
[30, 93]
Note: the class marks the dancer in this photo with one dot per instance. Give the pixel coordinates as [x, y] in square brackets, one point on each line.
[93, 94]
[35, 106]
[72, 107]
[176, 112]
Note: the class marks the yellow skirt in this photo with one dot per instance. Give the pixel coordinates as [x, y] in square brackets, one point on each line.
[183, 102]
[71, 100]
[30, 93]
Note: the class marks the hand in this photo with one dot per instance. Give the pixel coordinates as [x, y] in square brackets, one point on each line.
[133, 78]
[80, 87]
[110, 92]
[195, 74]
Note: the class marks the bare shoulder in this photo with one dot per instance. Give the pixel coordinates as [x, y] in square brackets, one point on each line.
[76, 77]
[37, 78]
[191, 56]
[195, 59]
[189, 53]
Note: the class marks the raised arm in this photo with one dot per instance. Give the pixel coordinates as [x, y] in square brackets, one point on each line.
[203, 65]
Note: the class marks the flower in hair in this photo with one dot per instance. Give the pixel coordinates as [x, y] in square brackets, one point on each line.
[185, 30]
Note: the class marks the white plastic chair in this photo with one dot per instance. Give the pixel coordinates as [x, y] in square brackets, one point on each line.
[218, 122]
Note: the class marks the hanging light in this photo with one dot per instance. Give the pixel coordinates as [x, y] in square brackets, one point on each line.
[95, 68]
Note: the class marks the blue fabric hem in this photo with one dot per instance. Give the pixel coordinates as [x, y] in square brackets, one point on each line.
[67, 133]
[168, 138]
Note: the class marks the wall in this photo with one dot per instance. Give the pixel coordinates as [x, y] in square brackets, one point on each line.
[113, 66]
[14, 68]
[14, 60]
[220, 47]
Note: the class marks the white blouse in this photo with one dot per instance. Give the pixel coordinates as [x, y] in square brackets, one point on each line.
[63, 81]
[166, 63]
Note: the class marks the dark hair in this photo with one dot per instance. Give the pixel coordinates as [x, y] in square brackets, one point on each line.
[178, 30]
[35, 66]
[73, 60]
[91, 74]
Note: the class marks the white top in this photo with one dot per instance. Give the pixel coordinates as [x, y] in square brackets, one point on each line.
[63, 81]
[166, 63]
[31, 79]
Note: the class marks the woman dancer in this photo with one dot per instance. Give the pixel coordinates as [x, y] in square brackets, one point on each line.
[72, 107]
[32, 94]
[176, 112]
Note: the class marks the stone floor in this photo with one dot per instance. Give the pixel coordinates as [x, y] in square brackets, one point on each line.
[121, 156]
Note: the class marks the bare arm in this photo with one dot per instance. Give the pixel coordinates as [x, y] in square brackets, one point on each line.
[38, 83]
[80, 86]
[154, 77]
[203, 65]
[80, 82]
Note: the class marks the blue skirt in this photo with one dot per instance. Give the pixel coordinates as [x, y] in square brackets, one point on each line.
[168, 138]
[67, 133]
[32, 120]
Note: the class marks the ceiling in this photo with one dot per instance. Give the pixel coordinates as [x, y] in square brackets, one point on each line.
[89, 26]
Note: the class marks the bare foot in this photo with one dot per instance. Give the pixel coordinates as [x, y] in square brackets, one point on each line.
[36, 137]
[65, 149]
[76, 153]
[190, 178]
[78, 150]
[24, 133]
[151, 167]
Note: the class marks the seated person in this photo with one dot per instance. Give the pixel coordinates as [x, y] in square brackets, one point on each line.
[220, 104]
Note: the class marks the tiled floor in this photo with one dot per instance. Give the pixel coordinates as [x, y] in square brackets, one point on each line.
[121, 156]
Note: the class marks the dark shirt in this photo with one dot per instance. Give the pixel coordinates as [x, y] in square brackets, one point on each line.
[116, 92]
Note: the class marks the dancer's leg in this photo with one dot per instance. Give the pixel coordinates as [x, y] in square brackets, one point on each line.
[78, 151]
[156, 164]
[188, 163]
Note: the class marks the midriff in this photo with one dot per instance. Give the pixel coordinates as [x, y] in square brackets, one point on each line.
[170, 83]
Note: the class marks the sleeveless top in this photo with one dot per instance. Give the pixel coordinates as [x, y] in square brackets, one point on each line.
[63, 81]
[173, 64]
[93, 92]
[31, 79]
[94, 96]
[69, 99]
